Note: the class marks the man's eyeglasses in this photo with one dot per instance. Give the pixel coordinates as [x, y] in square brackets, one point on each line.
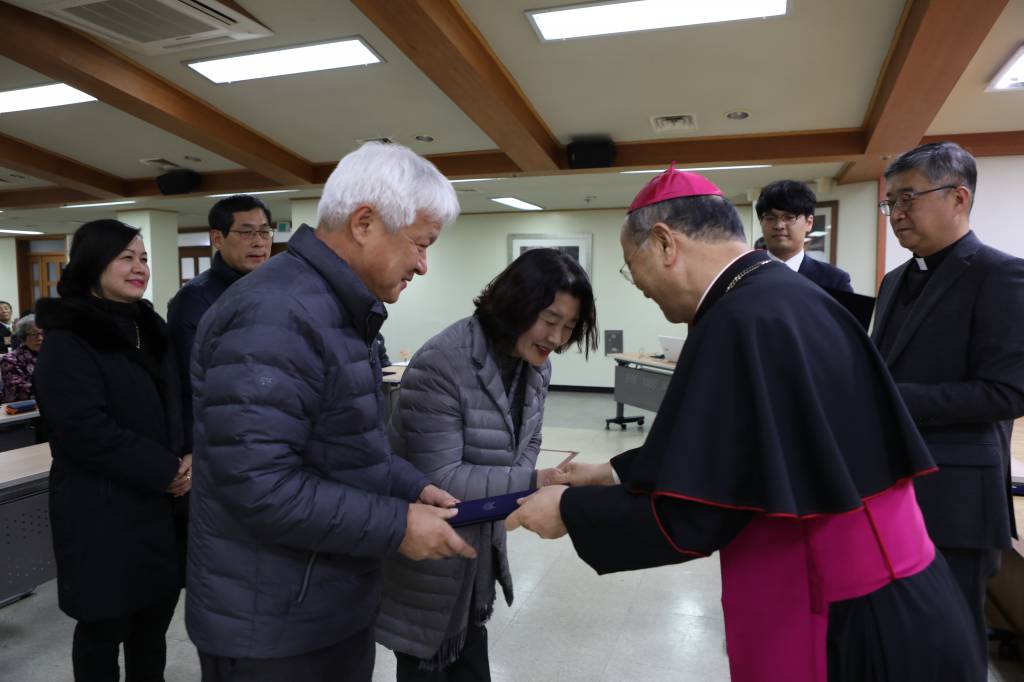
[626, 273]
[250, 235]
[906, 200]
[774, 218]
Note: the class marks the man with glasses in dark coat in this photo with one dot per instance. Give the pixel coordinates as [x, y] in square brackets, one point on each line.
[948, 325]
[240, 230]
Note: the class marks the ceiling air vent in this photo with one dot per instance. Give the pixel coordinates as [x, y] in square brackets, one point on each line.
[385, 140]
[154, 26]
[676, 123]
[160, 164]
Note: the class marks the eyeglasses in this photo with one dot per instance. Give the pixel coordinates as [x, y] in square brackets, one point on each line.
[905, 201]
[34, 335]
[250, 235]
[774, 218]
[626, 273]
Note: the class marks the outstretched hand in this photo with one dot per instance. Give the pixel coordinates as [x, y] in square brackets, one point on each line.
[540, 513]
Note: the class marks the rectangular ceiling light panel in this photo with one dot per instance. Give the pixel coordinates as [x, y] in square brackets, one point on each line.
[1011, 76]
[292, 60]
[41, 97]
[517, 203]
[599, 19]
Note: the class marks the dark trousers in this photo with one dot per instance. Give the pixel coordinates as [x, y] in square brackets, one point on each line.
[472, 665]
[971, 569]
[94, 650]
[350, 660]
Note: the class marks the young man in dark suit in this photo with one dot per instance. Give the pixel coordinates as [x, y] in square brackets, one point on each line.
[948, 327]
[786, 211]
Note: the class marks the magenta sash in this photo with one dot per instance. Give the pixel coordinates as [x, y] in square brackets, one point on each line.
[780, 574]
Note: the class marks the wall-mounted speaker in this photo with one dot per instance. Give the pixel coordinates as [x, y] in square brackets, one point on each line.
[591, 153]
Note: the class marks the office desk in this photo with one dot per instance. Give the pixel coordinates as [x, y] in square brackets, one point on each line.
[27, 556]
[640, 381]
[1005, 608]
[16, 430]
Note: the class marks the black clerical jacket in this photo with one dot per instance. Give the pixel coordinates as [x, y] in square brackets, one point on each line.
[958, 360]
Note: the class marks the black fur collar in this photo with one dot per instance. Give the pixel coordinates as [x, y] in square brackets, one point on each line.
[105, 326]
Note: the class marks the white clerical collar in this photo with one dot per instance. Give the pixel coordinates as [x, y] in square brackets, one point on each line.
[727, 266]
[793, 263]
[921, 263]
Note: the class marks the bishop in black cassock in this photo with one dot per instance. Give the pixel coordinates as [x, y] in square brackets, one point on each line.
[782, 443]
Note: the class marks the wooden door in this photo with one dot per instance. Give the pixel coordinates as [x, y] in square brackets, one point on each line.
[193, 260]
[45, 270]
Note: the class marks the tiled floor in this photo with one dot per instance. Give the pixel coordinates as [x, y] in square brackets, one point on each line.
[566, 624]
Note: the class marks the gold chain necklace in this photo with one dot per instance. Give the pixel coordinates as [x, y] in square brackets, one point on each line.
[737, 278]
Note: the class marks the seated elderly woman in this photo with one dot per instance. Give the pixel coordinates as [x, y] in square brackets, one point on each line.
[469, 417]
[17, 367]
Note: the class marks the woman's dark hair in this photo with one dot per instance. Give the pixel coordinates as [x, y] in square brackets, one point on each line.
[94, 245]
[513, 301]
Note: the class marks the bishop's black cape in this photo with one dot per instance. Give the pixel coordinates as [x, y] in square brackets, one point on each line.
[779, 405]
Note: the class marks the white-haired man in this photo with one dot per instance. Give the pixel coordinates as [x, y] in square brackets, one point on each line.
[297, 496]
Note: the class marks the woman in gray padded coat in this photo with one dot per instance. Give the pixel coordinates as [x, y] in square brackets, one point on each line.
[469, 417]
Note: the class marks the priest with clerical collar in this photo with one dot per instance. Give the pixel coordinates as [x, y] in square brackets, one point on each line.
[781, 442]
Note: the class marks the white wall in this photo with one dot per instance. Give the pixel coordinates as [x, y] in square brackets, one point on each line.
[996, 214]
[475, 249]
[857, 234]
[160, 235]
[9, 273]
[471, 252]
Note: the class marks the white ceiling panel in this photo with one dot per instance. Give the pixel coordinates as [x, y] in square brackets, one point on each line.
[320, 115]
[101, 136]
[814, 68]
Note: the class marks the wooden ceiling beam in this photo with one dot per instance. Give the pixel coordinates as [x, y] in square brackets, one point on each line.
[60, 170]
[1009, 143]
[932, 49]
[41, 197]
[61, 53]
[779, 148]
[438, 37]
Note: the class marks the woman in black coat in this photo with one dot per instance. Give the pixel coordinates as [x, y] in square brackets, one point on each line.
[105, 388]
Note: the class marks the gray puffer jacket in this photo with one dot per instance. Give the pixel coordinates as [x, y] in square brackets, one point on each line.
[454, 423]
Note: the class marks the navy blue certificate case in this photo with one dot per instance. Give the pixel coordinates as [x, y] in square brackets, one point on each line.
[487, 509]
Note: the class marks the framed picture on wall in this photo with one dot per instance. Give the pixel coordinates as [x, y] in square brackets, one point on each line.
[821, 240]
[579, 246]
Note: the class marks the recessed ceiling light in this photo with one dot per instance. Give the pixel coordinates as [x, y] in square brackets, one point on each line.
[1011, 76]
[475, 180]
[41, 97]
[517, 203]
[20, 232]
[703, 168]
[425, 138]
[290, 60]
[268, 191]
[597, 19]
[738, 115]
[105, 203]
